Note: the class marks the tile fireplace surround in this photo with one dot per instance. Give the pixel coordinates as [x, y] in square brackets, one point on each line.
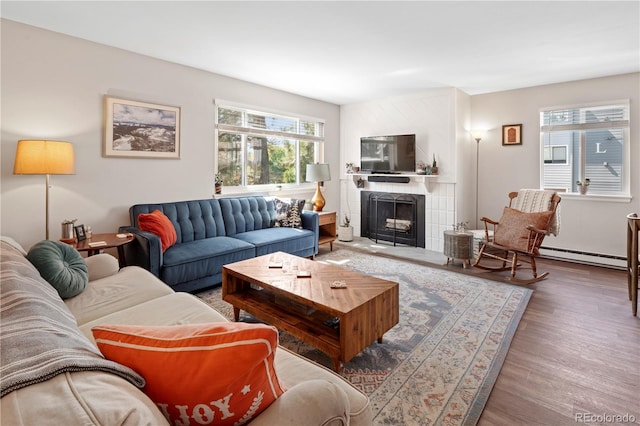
[440, 204]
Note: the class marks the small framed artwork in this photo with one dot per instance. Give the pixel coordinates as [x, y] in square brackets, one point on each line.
[140, 129]
[80, 234]
[512, 134]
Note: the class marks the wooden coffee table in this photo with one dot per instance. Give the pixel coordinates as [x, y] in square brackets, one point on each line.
[340, 322]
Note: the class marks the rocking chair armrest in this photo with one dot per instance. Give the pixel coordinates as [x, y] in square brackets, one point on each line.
[486, 220]
[536, 230]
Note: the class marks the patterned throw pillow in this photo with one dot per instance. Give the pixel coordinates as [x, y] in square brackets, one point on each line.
[158, 223]
[512, 230]
[217, 373]
[288, 213]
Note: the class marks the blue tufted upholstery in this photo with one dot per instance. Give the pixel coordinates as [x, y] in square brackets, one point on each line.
[212, 233]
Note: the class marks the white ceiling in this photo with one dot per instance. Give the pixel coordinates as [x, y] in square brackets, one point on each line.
[345, 52]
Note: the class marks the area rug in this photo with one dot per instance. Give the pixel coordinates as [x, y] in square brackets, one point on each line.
[438, 365]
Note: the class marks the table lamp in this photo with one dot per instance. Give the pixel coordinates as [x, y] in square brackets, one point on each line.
[37, 157]
[318, 173]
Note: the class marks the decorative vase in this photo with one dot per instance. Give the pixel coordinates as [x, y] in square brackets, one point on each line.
[583, 189]
[218, 188]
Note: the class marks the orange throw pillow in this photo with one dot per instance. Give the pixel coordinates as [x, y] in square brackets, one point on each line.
[512, 229]
[157, 223]
[217, 373]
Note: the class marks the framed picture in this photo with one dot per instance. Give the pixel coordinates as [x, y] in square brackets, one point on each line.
[80, 235]
[140, 129]
[512, 134]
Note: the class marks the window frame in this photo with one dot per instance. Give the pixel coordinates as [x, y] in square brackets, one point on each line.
[625, 192]
[246, 132]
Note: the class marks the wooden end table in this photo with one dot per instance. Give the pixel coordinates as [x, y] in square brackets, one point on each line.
[327, 228]
[340, 322]
[110, 241]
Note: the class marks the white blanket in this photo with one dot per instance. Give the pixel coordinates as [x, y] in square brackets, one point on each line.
[536, 200]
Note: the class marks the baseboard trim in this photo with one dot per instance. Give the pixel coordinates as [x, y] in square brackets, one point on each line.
[588, 258]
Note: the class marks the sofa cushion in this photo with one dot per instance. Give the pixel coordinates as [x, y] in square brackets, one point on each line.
[192, 220]
[222, 372]
[80, 398]
[288, 213]
[289, 240]
[247, 214]
[131, 286]
[172, 309]
[202, 258]
[61, 266]
[157, 223]
[512, 229]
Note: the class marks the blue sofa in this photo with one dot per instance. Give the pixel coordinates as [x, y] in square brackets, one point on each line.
[212, 233]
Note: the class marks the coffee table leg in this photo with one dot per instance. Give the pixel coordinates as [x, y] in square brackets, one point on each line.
[236, 314]
[380, 339]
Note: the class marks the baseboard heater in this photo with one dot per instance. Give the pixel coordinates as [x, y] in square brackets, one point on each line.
[392, 179]
[588, 258]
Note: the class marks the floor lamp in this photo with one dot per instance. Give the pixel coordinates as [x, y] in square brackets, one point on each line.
[318, 173]
[477, 135]
[44, 158]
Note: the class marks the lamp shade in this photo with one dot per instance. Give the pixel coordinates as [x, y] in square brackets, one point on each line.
[44, 158]
[478, 134]
[318, 172]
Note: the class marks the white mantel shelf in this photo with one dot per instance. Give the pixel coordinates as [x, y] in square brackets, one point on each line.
[425, 179]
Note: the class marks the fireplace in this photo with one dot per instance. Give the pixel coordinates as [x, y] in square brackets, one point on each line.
[393, 217]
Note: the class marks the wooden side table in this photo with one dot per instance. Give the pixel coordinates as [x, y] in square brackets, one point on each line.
[92, 245]
[327, 222]
[458, 245]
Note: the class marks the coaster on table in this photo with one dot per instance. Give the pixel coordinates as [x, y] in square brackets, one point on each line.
[338, 284]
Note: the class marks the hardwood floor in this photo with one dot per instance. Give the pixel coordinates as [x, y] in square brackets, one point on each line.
[576, 352]
[575, 355]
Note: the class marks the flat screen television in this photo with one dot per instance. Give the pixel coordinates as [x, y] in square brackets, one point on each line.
[388, 154]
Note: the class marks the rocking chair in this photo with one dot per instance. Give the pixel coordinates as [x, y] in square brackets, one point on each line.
[518, 234]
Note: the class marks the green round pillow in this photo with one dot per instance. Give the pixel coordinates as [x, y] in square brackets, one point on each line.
[61, 265]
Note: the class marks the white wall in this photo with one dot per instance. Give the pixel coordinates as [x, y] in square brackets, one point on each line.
[53, 87]
[589, 224]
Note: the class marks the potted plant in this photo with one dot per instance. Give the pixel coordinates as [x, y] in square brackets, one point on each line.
[434, 166]
[218, 184]
[345, 230]
[583, 185]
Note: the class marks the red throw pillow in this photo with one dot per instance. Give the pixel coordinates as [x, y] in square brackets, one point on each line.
[512, 229]
[157, 223]
[217, 374]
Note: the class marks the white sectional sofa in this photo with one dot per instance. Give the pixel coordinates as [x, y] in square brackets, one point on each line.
[133, 296]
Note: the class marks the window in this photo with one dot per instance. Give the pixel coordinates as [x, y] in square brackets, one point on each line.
[586, 142]
[262, 148]
[555, 154]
